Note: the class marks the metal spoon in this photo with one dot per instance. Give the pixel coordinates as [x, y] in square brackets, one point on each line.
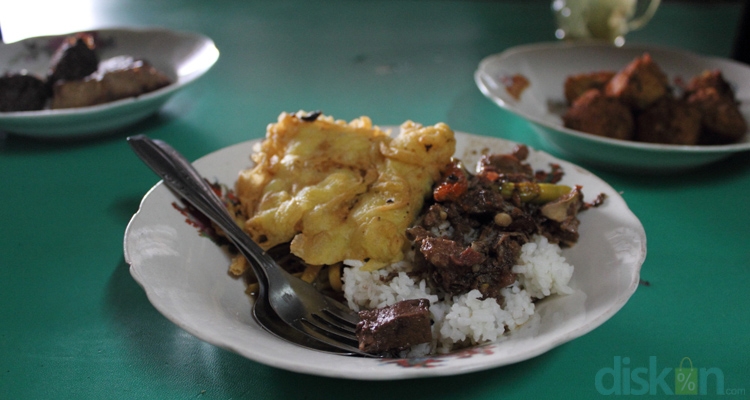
[297, 300]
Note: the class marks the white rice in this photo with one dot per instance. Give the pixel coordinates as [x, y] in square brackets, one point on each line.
[466, 319]
[543, 270]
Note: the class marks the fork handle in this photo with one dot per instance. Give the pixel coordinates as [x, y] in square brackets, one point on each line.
[179, 175]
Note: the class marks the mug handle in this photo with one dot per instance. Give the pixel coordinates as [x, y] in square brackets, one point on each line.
[638, 23]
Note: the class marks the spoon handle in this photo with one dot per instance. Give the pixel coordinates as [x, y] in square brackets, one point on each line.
[179, 175]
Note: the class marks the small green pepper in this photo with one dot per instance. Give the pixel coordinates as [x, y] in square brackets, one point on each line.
[531, 192]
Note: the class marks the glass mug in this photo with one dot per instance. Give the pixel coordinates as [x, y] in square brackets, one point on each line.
[607, 20]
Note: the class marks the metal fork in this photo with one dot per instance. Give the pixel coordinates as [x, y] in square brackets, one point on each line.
[324, 323]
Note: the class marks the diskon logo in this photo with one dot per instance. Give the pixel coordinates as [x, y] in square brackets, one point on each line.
[623, 379]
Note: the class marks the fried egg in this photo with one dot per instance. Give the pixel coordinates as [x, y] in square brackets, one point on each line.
[337, 190]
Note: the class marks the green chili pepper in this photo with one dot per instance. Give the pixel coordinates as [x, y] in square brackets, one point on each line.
[531, 192]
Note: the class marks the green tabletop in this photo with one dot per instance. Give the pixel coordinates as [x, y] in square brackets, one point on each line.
[74, 324]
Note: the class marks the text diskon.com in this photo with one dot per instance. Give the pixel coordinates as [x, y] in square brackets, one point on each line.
[624, 378]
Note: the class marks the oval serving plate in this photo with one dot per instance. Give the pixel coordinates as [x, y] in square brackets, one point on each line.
[182, 56]
[547, 65]
[185, 277]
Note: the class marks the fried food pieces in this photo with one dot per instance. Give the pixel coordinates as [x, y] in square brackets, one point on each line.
[671, 121]
[116, 78]
[601, 115]
[706, 112]
[22, 92]
[78, 78]
[338, 190]
[715, 99]
[639, 85]
[75, 59]
[576, 85]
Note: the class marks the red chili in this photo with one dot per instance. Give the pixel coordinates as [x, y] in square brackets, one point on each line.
[454, 185]
[491, 176]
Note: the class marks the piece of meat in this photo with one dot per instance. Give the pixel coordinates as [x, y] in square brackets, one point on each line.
[393, 328]
[75, 59]
[117, 78]
[458, 240]
[485, 264]
[482, 201]
[640, 84]
[721, 118]
[562, 224]
[473, 240]
[509, 167]
[669, 121]
[710, 79]
[450, 263]
[22, 92]
[576, 85]
[601, 115]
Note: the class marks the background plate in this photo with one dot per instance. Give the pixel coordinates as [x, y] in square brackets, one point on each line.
[182, 56]
[546, 65]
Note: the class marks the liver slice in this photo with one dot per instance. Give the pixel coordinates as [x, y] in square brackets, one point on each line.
[396, 327]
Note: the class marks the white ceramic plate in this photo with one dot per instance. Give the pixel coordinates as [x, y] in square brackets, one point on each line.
[185, 277]
[546, 65]
[182, 56]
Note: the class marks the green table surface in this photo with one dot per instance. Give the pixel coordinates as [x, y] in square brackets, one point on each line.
[74, 324]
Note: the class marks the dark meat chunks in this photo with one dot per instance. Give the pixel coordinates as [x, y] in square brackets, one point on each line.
[640, 84]
[117, 78]
[638, 104]
[721, 117]
[77, 78]
[21, 92]
[671, 121]
[470, 255]
[508, 167]
[470, 236]
[601, 115]
[562, 217]
[576, 85]
[75, 59]
[710, 79]
[721, 120]
[457, 268]
[393, 328]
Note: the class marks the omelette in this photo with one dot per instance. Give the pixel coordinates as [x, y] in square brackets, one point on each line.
[337, 190]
